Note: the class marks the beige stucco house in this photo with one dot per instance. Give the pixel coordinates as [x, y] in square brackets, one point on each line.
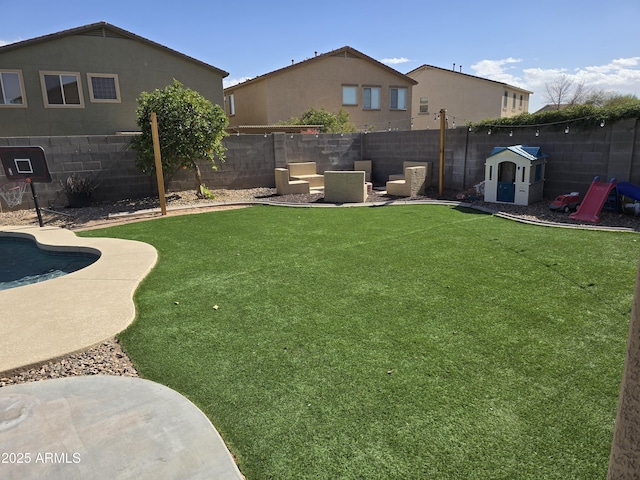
[466, 98]
[86, 81]
[376, 96]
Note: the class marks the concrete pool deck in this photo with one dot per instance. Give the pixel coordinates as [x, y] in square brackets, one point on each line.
[97, 426]
[107, 427]
[76, 311]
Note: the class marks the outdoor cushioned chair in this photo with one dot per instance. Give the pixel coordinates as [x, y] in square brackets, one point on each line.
[285, 186]
[363, 165]
[411, 186]
[306, 171]
[405, 164]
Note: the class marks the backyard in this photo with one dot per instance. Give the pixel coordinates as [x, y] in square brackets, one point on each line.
[394, 342]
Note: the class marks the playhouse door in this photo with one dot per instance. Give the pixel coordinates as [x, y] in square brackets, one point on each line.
[506, 182]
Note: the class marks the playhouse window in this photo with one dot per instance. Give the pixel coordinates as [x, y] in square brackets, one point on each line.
[524, 170]
[538, 172]
[490, 172]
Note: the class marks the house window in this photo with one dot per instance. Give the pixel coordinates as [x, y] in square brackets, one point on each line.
[514, 101]
[231, 100]
[398, 99]
[349, 95]
[521, 101]
[103, 87]
[506, 99]
[62, 89]
[424, 105]
[371, 98]
[12, 89]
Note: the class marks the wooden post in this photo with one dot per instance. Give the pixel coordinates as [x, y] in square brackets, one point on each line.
[443, 120]
[156, 152]
[624, 460]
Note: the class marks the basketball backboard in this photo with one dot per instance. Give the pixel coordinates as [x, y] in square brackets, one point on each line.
[25, 163]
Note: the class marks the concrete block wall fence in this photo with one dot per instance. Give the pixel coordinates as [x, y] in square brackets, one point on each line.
[107, 158]
[574, 158]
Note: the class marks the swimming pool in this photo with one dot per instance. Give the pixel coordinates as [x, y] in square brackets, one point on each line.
[22, 262]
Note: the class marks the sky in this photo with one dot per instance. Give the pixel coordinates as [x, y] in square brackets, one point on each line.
[528, 45]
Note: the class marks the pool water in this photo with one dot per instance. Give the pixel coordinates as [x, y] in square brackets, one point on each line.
[22, 262]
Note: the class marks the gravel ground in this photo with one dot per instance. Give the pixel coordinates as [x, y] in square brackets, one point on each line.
[109, 359]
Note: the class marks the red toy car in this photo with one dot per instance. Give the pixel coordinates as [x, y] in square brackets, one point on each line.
[566, 203]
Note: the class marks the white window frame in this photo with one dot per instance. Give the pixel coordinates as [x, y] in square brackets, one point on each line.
[92, 98]
[424, 101]
[22, 90]
[45, 96]
[398, 106]
[373, 99]
[353, 89]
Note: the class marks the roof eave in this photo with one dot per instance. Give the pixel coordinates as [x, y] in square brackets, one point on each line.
[351, 50]
[124, 33]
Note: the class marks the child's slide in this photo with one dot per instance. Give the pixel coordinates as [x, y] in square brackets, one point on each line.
[593, 201]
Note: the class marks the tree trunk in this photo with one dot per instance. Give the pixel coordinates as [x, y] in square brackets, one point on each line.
[198, 181]
[624, 462]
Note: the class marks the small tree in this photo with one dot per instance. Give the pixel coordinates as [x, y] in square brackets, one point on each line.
[190, 128]
[565, 91]
[331, 123]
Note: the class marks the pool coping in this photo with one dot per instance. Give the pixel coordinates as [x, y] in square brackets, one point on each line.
[72, 313]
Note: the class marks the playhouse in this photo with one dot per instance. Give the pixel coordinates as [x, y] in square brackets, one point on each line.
[514, 175]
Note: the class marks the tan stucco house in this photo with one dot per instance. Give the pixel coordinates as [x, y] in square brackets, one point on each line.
[86, 81]
[376, 96]
[466, 98]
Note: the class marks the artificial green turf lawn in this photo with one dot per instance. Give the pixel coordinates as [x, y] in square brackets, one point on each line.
[395, 342]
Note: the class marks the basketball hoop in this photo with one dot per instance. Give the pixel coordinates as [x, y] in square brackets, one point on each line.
[12, 193]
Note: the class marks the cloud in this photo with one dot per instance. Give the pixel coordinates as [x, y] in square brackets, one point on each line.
[230, 82]
[395, 61]
[7, 42]
[504, 70]
[620, 75]
[496, 69]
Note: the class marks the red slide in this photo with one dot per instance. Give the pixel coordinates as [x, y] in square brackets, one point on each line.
[589, 210]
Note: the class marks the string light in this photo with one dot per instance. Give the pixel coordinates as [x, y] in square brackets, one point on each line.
[536, 125]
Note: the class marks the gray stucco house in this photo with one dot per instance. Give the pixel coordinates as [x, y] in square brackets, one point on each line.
[85, 81]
